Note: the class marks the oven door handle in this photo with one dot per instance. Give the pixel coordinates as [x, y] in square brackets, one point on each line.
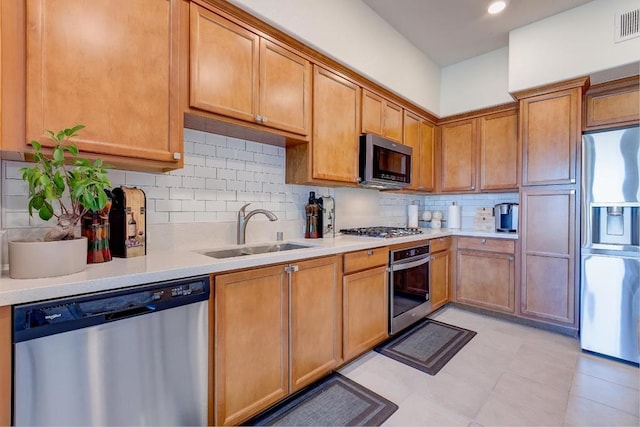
[408, 265]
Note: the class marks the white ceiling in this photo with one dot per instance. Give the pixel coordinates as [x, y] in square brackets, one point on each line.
[450, 31]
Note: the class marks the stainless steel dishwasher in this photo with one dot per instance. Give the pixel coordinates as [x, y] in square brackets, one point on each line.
[134, 356]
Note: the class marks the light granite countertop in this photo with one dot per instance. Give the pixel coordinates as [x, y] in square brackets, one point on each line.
[169, 265]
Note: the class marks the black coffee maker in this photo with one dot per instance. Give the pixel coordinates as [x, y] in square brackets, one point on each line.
[506, 215]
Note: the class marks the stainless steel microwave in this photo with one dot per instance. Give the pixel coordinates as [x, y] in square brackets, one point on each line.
[384, 164]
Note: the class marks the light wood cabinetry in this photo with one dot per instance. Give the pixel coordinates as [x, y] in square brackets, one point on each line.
[479, 151]
[274, 330]
[381, 116]
[458, 156]
[314, 313]
[549, 259]
[238, 74]
[549, 133]
[365, 297]
[92, 64]
[439, 271]
[485, 273]
[419, 134]
[12, 75]
[332, 155]
[5, 365]
[613, 104]
[499, 151]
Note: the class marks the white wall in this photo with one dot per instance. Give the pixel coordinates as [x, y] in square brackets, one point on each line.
[475, 83]
[353, 34]
[574, 43]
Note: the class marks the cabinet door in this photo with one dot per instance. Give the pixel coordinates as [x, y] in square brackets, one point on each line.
[612, 104]
[550, 134]
[365, 311]
[224, 68]
[548, 254]
[458, 146]
[315, 332]
[392, 124]
[485, 279]
[5, 365]
[499, 151]
[418, 134]
[336, 123]
[285, 89]
[381, 117]
[251, 343]
[439, 279]
[90, 63]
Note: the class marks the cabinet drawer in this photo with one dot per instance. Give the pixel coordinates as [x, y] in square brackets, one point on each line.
[489, 245]
[439, 244]
[368, 258]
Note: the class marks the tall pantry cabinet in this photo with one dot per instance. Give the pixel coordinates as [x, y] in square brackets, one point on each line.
[550, 138]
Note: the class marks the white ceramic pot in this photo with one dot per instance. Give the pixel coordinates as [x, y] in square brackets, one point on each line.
[33, 260]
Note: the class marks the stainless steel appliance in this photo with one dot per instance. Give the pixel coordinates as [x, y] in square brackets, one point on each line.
[610, 257]
[384, 164]
[408, 286]
[506, 216]
[385, 232]
[136, 356]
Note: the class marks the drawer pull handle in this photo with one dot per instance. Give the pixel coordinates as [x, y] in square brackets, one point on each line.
[369, 252]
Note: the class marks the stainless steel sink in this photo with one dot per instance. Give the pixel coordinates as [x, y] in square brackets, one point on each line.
[254, 250]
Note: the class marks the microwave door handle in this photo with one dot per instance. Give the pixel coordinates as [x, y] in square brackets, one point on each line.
[408, 265]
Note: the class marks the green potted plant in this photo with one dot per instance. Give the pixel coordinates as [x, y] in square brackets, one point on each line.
[65, 193]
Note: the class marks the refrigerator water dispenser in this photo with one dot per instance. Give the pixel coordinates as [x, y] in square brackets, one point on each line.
[616, 225]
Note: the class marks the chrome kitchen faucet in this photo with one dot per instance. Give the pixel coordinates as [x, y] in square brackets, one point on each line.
[244, 219]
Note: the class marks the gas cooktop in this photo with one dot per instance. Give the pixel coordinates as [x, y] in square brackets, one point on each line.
[386, 232]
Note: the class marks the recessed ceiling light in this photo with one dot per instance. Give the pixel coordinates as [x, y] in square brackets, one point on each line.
[496, 7]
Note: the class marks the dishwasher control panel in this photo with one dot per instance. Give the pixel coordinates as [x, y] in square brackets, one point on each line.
[38, 319]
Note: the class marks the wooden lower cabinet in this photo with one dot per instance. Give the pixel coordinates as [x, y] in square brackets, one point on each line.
[273, 332]
[439, 269]
[314, 338]
[549, 258]
[365, 310]
[486, 278]
[5, 366]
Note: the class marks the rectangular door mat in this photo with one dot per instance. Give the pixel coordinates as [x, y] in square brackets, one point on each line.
[427, 346]
[333, 401]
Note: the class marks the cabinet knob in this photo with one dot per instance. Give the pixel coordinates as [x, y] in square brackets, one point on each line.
[259, 119]
[473, 187]
[483, 241]
[369, 252]
[264, 119]
[177, 156]
[510, 258]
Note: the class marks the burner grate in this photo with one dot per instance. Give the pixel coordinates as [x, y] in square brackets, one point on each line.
[386, 232]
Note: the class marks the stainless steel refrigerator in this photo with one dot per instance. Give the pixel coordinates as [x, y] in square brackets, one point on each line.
[610, 264]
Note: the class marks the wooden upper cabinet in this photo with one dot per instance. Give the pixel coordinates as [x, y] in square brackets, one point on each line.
[90, 63]
[225, 62]
[613, 104]
[336, 123]
[12, 75]
[550, 130]
[419, 135]
[381, 116]
[458, 156]
[499, 151]
[238, 74]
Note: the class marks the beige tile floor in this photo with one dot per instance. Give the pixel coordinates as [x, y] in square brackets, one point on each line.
[507, 375]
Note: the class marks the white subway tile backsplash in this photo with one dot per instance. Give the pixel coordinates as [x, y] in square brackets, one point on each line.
[205, 216]
[194, 182]
[12, 170]
[215, 205]
[235, 143]
[138, 179]
[216, 140]
[168, 205]
[168, 181]
[215, 162]
[235, 185]
[194, 135]
[204, 149]
[177, 217]
[181, 194]
[215, 184]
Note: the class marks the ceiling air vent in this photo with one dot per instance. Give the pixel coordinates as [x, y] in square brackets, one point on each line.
[627, 25]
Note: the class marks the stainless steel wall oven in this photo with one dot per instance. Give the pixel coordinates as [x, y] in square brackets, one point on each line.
[408, 286]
